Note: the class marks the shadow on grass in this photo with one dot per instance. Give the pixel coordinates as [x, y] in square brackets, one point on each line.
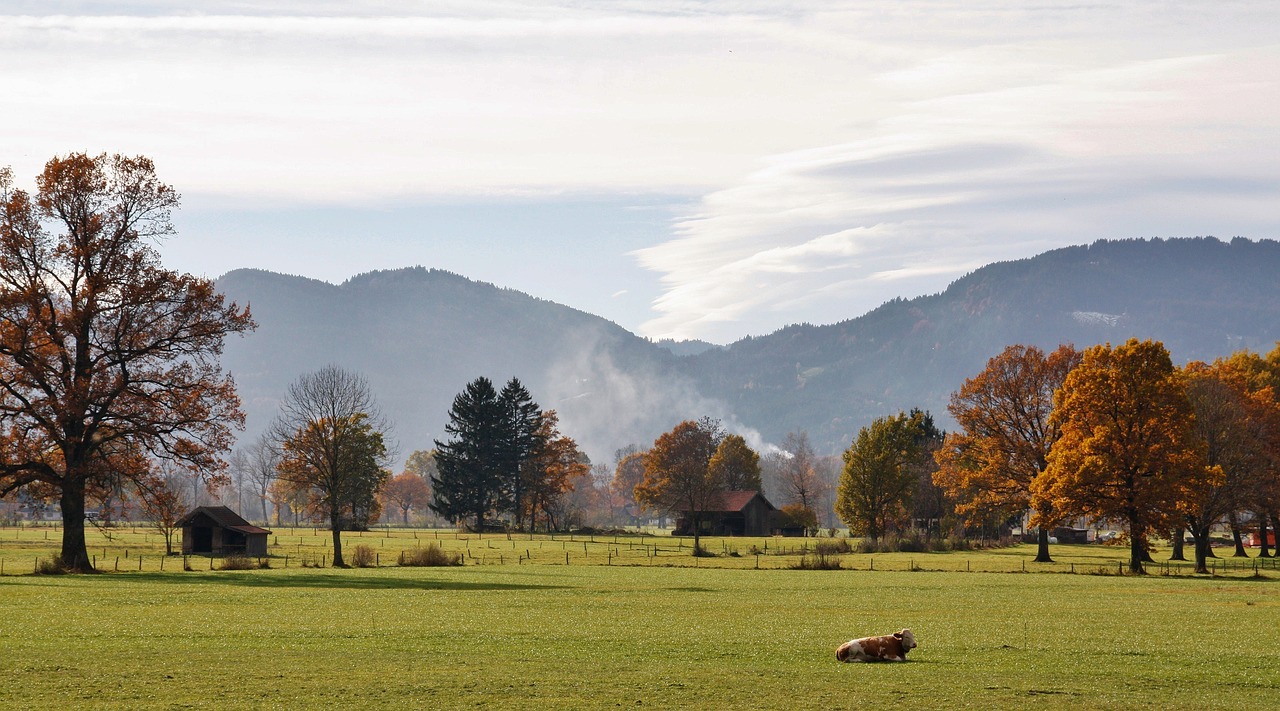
[326, 581]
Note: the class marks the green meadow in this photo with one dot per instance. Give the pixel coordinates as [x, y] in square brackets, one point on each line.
[619, 626]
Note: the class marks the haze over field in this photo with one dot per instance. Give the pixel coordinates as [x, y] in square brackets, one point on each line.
[708, 170]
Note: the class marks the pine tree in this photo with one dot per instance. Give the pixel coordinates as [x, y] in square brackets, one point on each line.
[470, 466]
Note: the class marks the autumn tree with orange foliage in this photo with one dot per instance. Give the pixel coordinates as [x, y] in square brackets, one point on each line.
[407, 492]
[626, 477]
[555, 469]
[1262, 377]
[1232, 423]
[107, 359]
[1126, 449]
[1005, 435]
[677, 478]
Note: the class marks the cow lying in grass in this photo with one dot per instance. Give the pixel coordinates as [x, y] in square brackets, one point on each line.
[885, 648]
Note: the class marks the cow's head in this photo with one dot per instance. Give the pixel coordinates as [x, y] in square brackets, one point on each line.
[908, 639]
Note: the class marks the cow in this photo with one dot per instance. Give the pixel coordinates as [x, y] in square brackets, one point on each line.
[885, 648]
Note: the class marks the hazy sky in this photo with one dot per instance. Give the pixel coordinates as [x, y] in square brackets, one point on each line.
[686, 168]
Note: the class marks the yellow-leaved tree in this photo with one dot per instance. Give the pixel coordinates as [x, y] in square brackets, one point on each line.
[1127, 450]
[1005, 436]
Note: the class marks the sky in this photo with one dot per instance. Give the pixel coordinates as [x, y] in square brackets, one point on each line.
[686, 168]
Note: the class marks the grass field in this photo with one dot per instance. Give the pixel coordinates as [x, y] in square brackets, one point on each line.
[650, 632]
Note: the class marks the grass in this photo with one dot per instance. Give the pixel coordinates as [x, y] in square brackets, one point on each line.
[650, 634]
[596, 637]
[142, 550]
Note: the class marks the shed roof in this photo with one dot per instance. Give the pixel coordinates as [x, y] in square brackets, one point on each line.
[736, 501]
[224, 517]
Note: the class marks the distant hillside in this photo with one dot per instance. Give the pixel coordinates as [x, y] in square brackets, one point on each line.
[420, 335]
[1202, 297]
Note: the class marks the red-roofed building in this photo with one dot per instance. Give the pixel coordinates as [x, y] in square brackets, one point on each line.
[217, 530]
[739, 513]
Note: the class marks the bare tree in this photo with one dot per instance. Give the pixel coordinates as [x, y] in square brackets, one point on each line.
[330, 432]
[798, 476]
[262, 457]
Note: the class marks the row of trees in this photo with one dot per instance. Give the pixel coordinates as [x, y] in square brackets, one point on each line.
[505, 456]
[1109, 434]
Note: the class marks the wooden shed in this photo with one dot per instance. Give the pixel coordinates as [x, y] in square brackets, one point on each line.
[217, 530]
[738, 513]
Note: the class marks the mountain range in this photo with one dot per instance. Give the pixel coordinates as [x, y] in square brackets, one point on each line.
[420, 335]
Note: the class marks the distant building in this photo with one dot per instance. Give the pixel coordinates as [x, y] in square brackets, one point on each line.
[738, 513]
[217, 530]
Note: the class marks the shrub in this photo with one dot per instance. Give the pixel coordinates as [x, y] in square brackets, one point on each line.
[52, 566]
[363, 556]
[817, 561]
[238, 562]
[833, 546]
[430, 555]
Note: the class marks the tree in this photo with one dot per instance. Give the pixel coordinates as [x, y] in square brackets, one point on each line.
[736, 465]
[472, 465]
[163, 502]
[878, 479]
[1126, 449]
[626, 477]
[261, 459]
[1005, 435]
[677, 478]
[330, 433]
[555, 468]
[798, 477]
[520, 442]
[422, 463]
[107, 359]
[407, 492]
[928, 505]
[1231, 433]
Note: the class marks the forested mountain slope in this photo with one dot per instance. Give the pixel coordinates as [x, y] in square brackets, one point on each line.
[1202, 297]
[420, 335]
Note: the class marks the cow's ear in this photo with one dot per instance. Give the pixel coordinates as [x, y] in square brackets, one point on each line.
[898, 635]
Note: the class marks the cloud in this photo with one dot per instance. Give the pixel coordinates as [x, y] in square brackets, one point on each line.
[1014, 163]
[838, 154]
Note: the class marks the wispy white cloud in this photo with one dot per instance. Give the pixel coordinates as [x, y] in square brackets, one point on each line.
[839, 154]
[993, 152]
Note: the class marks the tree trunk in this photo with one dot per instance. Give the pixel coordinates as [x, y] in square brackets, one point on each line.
[1264, 545]
[1042, 546]
[75, 555]
[335, 525]
[1177, 542]
[1236, 536]
[1137, 549]
[1201, 536]
[405, 511]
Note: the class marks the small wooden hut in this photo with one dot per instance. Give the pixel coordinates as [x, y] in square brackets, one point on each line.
[738, 513]
[217, 530]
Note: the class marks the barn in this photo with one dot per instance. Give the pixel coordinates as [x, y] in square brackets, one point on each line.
[217, 530]
[738, 513]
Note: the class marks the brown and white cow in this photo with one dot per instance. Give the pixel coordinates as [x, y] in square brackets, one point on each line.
[885, 648]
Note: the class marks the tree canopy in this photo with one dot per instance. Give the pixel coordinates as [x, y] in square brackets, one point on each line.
[1126, 450]
[677, 478]
[333, 453]
[1005, 435]
[108, 361]
[878, 479]
[736, 465]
